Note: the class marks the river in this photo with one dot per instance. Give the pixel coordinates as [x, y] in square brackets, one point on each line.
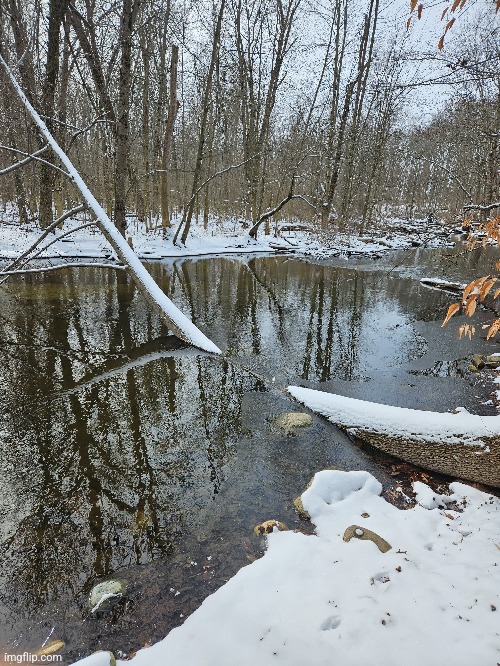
[126, 454]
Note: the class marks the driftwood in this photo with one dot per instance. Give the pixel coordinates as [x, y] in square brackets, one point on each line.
[462, 444]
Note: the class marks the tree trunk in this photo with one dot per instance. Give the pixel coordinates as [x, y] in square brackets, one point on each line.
[129, 12]
[188, 211]
[57, 10]
[167, 141]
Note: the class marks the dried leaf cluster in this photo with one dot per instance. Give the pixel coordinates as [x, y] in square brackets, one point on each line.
[477, 290]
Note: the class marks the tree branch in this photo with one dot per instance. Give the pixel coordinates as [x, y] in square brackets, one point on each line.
[205, 183]
[269, 213]
[42, 269]
[44, 234]
[450, 173]
[484, 209]
[38, 159]
[28, 159]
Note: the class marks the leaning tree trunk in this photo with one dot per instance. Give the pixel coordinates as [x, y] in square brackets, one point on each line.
[172, 316]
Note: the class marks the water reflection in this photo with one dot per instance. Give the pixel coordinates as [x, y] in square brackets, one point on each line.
[294, 320]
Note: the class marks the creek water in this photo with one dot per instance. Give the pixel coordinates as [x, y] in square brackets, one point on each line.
[126, 454]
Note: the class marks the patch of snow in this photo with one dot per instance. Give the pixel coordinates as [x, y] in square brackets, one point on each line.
[433, 598]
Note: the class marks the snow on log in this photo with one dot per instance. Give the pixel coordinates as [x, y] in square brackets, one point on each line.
[460, 444]
[170, 313]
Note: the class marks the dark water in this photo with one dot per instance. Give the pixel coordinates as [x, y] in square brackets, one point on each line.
[126, 454]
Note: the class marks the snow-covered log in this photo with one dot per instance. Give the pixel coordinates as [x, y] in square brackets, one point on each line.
[459, 444]
[178, 323]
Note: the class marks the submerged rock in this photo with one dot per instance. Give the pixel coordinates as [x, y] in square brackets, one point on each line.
[104, 595]
[291, 420]
[50, 648]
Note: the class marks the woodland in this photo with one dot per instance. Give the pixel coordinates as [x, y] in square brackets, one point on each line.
[339, 114]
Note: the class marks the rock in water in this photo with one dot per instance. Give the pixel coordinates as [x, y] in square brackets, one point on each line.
[291, 420]
[105, 594]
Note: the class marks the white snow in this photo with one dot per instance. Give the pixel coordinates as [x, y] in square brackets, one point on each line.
[460, 427]
[223, 236]
[433, 598]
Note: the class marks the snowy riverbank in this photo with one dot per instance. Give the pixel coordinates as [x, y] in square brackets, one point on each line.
[221, 237]
[433, 598]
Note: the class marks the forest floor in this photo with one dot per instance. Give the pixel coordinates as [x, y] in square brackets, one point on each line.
[222, 237]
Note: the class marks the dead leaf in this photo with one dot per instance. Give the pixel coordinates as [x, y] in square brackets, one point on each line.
[454, 308]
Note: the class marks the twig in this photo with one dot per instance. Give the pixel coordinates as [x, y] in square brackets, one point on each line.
[45, 247]
[38, 159]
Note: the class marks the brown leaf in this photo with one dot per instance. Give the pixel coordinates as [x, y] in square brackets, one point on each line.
[475, 285]
[454, 307]
[444, 12]
[486, 288]
[413, 4]
[455, 5]
[493, 329]
[408, 23]
[470, 306]
[419, 11]
[449, 25]
[441, 43]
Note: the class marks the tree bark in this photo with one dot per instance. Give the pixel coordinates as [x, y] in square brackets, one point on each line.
[57, 10]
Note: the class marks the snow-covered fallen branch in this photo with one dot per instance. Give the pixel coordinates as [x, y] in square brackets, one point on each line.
[460, 444]
[173, 317]
[44, 269]
[25, 255]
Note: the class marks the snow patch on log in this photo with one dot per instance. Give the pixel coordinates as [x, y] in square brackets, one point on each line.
[459, 444]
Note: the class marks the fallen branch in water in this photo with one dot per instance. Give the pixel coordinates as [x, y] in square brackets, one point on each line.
[42, 269]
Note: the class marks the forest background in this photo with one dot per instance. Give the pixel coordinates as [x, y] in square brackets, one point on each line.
[198, 111]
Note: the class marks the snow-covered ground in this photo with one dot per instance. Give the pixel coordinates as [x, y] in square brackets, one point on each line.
[433, 598]
[221, 237]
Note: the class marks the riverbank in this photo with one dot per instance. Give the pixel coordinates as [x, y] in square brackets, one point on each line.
[221, 237]
[375, 584]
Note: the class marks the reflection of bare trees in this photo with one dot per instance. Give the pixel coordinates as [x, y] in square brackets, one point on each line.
[107, 472]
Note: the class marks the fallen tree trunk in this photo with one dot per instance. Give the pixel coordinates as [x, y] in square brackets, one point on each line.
[461, 444]
[178, 323]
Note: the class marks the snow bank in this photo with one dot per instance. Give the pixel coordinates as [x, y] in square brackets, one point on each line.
[433, 598]
[430, 427]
